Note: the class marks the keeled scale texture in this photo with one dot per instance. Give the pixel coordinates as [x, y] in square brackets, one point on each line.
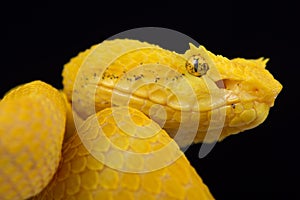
[32, 118]
[81, 176]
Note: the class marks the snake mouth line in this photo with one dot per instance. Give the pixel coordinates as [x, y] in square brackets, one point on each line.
[127, 97]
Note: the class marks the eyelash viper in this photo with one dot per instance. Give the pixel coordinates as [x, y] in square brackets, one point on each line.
[120, 86]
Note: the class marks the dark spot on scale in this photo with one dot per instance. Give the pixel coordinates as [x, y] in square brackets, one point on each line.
[137, 77]
[233, 106]
[156, 79]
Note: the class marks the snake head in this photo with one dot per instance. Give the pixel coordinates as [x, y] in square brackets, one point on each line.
[192, 93]
[248, 88]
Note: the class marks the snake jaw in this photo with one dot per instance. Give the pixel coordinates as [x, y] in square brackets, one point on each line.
[249, 105]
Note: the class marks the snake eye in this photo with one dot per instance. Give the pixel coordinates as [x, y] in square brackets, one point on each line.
[199, 67]
[196, 64]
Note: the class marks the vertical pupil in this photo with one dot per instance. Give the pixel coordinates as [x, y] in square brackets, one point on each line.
[196, 64]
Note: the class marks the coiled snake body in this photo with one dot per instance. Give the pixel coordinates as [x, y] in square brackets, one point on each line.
[129, 100]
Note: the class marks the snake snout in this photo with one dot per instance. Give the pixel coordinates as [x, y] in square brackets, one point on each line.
[263, 91]
[266, 88]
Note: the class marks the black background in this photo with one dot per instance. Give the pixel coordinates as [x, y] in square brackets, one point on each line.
[37, 40]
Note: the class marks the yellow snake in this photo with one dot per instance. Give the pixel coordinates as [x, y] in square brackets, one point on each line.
[129, 100]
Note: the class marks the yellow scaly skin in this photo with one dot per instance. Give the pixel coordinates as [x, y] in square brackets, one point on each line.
[249, 89]
[81, 176]
[32, 118]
